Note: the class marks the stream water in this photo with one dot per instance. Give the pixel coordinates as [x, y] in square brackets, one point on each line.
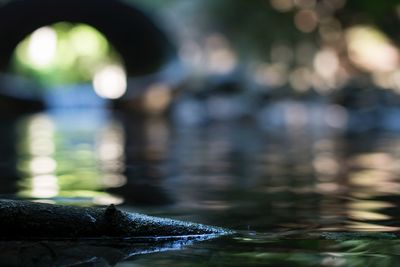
[295, 196]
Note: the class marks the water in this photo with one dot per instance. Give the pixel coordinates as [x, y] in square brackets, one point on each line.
[296, 197]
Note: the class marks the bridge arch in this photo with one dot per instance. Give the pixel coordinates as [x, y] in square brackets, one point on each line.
[141, 44]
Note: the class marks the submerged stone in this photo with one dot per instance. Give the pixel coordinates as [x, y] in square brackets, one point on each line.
[27, 220]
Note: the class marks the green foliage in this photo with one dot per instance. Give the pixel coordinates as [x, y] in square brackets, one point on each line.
[63, 53]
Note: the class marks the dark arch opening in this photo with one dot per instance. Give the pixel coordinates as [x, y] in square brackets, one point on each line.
[142, 45]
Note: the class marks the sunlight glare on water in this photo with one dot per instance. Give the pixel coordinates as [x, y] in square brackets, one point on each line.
[67, 164]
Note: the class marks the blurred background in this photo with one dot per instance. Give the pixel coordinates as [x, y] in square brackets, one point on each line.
[230, 59]
[262, 115]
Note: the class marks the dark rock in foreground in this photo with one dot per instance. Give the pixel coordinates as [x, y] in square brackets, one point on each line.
[29, 220]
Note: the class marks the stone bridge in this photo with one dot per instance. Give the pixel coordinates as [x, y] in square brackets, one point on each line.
[142, 45]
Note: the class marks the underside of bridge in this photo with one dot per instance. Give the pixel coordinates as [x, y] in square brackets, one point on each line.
[142, 45]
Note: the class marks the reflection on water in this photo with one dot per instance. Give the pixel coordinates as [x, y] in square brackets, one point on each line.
[65, 156]
[85, 252]
[276, 187]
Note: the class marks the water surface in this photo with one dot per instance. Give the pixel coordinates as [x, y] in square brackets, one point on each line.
[295, 196]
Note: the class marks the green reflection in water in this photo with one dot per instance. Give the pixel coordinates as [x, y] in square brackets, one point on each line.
[64, 53]
[58, 163]
[302, 250]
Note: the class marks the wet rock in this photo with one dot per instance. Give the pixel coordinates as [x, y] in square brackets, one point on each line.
[21, 220]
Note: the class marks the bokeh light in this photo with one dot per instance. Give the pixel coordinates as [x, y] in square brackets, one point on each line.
[42, 47]
[66, 53]
[110, 82]
[306, 20]
[282, 5]
[371, 50]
